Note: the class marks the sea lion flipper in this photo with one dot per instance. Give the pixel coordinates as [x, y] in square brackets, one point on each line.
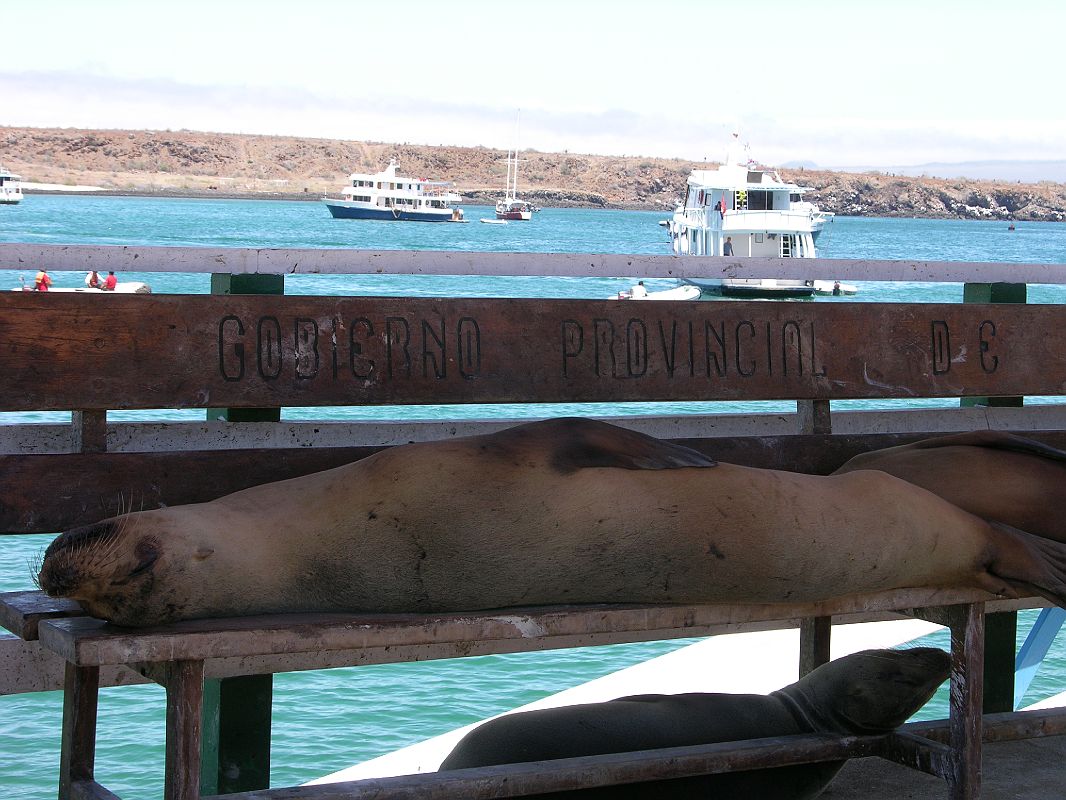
[1026, 562]
[576, 443]
[996, 440]
[590, 443]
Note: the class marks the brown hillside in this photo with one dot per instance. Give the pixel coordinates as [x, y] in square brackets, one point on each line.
[209, 164]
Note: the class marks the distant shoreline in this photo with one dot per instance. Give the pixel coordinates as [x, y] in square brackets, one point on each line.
[200, 165]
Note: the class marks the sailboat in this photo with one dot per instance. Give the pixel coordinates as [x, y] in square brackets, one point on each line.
[511, 207]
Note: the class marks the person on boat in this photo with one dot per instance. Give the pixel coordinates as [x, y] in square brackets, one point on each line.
[639, 291]
[43, 282]
[836, 288]
[110, 282]
[727, 248]
[92, 279]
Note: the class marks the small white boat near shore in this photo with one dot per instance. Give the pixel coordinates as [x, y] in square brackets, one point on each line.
[682, 292]
[488, 221]
[122, 287]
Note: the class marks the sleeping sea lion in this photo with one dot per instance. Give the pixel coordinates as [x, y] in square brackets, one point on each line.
[559, 511]
[870, 692]
[995, 475]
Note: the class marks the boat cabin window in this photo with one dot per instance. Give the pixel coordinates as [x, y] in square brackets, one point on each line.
[360, 198]
[760, 200]
[795, 197]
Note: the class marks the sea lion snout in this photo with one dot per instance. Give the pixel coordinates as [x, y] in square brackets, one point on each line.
[61, 570]
[870, 692]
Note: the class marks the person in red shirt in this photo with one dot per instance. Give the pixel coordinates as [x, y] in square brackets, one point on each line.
[43, 282]
[110, 282]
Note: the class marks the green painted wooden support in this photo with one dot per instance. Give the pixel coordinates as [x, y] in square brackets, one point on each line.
[993, 293]
[235, 753]
[1000, 629]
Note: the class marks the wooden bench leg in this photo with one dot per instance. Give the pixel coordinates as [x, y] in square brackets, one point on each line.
[815, 635]
[967, 682]
[81, 692]
[184, 682]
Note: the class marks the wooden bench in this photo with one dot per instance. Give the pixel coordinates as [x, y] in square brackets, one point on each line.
[247, 353]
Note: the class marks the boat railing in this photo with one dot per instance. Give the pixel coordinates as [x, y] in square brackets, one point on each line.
[244, 353]
[791, 221]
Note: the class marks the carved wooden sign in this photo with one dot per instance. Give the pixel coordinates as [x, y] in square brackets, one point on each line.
[65, 351]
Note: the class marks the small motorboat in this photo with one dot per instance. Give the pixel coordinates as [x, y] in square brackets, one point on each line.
[122, 287]
[488, 221]
[683, 292]
[834, 288]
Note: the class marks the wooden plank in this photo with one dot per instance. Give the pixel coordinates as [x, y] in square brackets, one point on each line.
[28, 667]
[88, 641]
[26, 438]
[78, 749]
[185, 688]
[20, 612]
[79, 488]
[281, 261]
[924, 755]
[91, 790]
[967, 681]
[261, 351]
[815, 639]
[89, 431]
[100, 485]
[1007, 726]
[569, 774]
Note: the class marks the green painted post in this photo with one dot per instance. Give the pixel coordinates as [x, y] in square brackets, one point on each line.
[1001, 630]
[993, 293]
[235, 754]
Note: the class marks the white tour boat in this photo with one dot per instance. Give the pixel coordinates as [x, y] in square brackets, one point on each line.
[387, 195]
[746, 210]
[10, 188]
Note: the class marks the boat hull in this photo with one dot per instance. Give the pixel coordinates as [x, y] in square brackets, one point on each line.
[513, 215]
[763, 288]
[341, 210]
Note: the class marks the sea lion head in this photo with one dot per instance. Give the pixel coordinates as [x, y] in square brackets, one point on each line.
[137, 569]
[870, 692]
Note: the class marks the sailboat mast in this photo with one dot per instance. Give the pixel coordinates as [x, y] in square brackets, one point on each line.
[514, 189]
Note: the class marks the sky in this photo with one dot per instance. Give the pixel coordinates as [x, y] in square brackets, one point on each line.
[833, 84]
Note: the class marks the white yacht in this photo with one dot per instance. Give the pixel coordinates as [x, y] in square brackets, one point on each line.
[387, 195]
[10, 188]
[746, 210]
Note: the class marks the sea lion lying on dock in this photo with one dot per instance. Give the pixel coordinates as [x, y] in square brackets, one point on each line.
[997, 476]
[870, 692]
[558, 511]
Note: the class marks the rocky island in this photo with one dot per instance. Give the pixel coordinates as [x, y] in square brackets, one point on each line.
[195, 164]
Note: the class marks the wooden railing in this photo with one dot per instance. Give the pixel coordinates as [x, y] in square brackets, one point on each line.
[244, 353]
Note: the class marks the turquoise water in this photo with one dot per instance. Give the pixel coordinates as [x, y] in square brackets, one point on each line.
[327, 720]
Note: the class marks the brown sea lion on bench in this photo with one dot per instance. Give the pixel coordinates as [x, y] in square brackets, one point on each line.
[870, 692]
[552, 512]
[997, 476]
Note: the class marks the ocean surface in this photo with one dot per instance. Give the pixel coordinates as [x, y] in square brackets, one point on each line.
[327, 720]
